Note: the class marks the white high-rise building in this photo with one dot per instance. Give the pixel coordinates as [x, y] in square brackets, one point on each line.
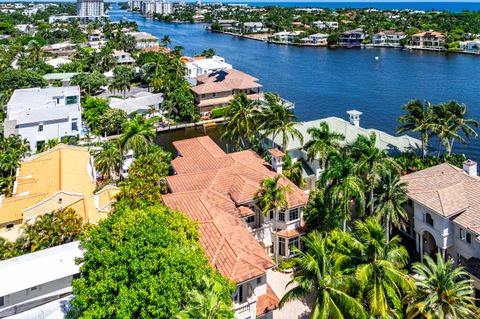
[90, 8]
[158, 7]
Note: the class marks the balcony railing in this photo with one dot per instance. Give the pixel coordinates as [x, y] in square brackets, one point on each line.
[263, 234]
[245, 309]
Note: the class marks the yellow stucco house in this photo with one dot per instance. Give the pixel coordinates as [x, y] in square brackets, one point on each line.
[62, 177]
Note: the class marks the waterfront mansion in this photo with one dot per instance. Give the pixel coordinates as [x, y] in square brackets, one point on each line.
[219, 88]
[218, 190]
[444, 214]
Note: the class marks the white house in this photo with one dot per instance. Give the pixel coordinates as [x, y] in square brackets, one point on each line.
[144, 40]
[470, 46]
[285, 36]
[444, 214]
[254, 27]
[56, 62]
[316, 39]
[200, 65]
[351, 129]
[122, 57]
[141, 103]
[389, 38]
[42, 114]
[326, 24]
[38, 278]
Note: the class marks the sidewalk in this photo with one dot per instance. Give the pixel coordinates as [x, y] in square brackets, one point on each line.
[292, 310]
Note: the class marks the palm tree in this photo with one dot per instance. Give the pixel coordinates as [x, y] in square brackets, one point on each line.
[272, 196]
[343, 186]
[391, 194]
[293, 171]
[109, 160]
[443, 128]
[460, 123]
[137, 134]
[381, 273]
[207, 303]
[417, 119]
[166, 40]
[322, 142]
[371, 162]
[277, 119]
[320, 275]
[441, 291]
[240, 115]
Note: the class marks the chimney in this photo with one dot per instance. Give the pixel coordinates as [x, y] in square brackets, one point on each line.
[277, 160]
[470, 167]
[354, 117]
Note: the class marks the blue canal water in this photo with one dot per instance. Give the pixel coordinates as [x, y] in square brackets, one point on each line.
[327, 82]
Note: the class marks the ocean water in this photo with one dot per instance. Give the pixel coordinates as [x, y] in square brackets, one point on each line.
[453, 6]
[326, 82]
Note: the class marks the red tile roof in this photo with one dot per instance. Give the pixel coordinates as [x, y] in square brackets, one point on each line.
[225, 81]
[210, 187]
[267, 302]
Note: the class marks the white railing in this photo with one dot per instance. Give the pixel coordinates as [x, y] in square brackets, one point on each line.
[263, 233]
[247, 309]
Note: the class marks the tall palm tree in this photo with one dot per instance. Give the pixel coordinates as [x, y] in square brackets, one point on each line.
[320, 274]
[293, 171]
[443, 128]
[460, 123]
[166, 40]
[272, 196]
[343, 186]
[277, 119]
[240, 115]
[417, 119]
[381, 274]
[137, 134]
[441, 291]
[207, 303]
[322, 142]
[391, 194]
[109, 160]
[371, 162]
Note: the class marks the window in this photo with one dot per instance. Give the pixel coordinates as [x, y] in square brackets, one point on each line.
[461, 235]
[259, 280]
[9, 227]
[40, 127]
[281, 216]
[428, 219]
[293, 242]
[40, 144]
[74, 125]
[281, 246]
[293, 214]
[214, 94]
[468, 238]
[271, 213]
[33, 288]
[2, 301]
[72, 99]
[250, 219]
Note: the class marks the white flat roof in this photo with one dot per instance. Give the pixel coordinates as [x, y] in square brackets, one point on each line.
[20, 273]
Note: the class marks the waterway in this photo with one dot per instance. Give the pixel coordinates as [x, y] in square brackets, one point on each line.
[326, 82]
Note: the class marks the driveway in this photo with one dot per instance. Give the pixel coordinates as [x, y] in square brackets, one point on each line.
[293, 309]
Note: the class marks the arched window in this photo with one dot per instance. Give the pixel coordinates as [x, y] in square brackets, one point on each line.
[428, 219]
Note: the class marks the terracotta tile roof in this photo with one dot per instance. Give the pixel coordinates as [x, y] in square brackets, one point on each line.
[293, 232]
[63, 169]
[210, 187]
[228, 243]
[224, 81]
[449, 191]
[430, 34]
[267, 302]
[276, 152]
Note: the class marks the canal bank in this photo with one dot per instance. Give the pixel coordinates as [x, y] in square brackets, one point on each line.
[327, 82]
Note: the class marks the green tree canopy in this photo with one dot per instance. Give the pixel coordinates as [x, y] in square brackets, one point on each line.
[141, 264]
